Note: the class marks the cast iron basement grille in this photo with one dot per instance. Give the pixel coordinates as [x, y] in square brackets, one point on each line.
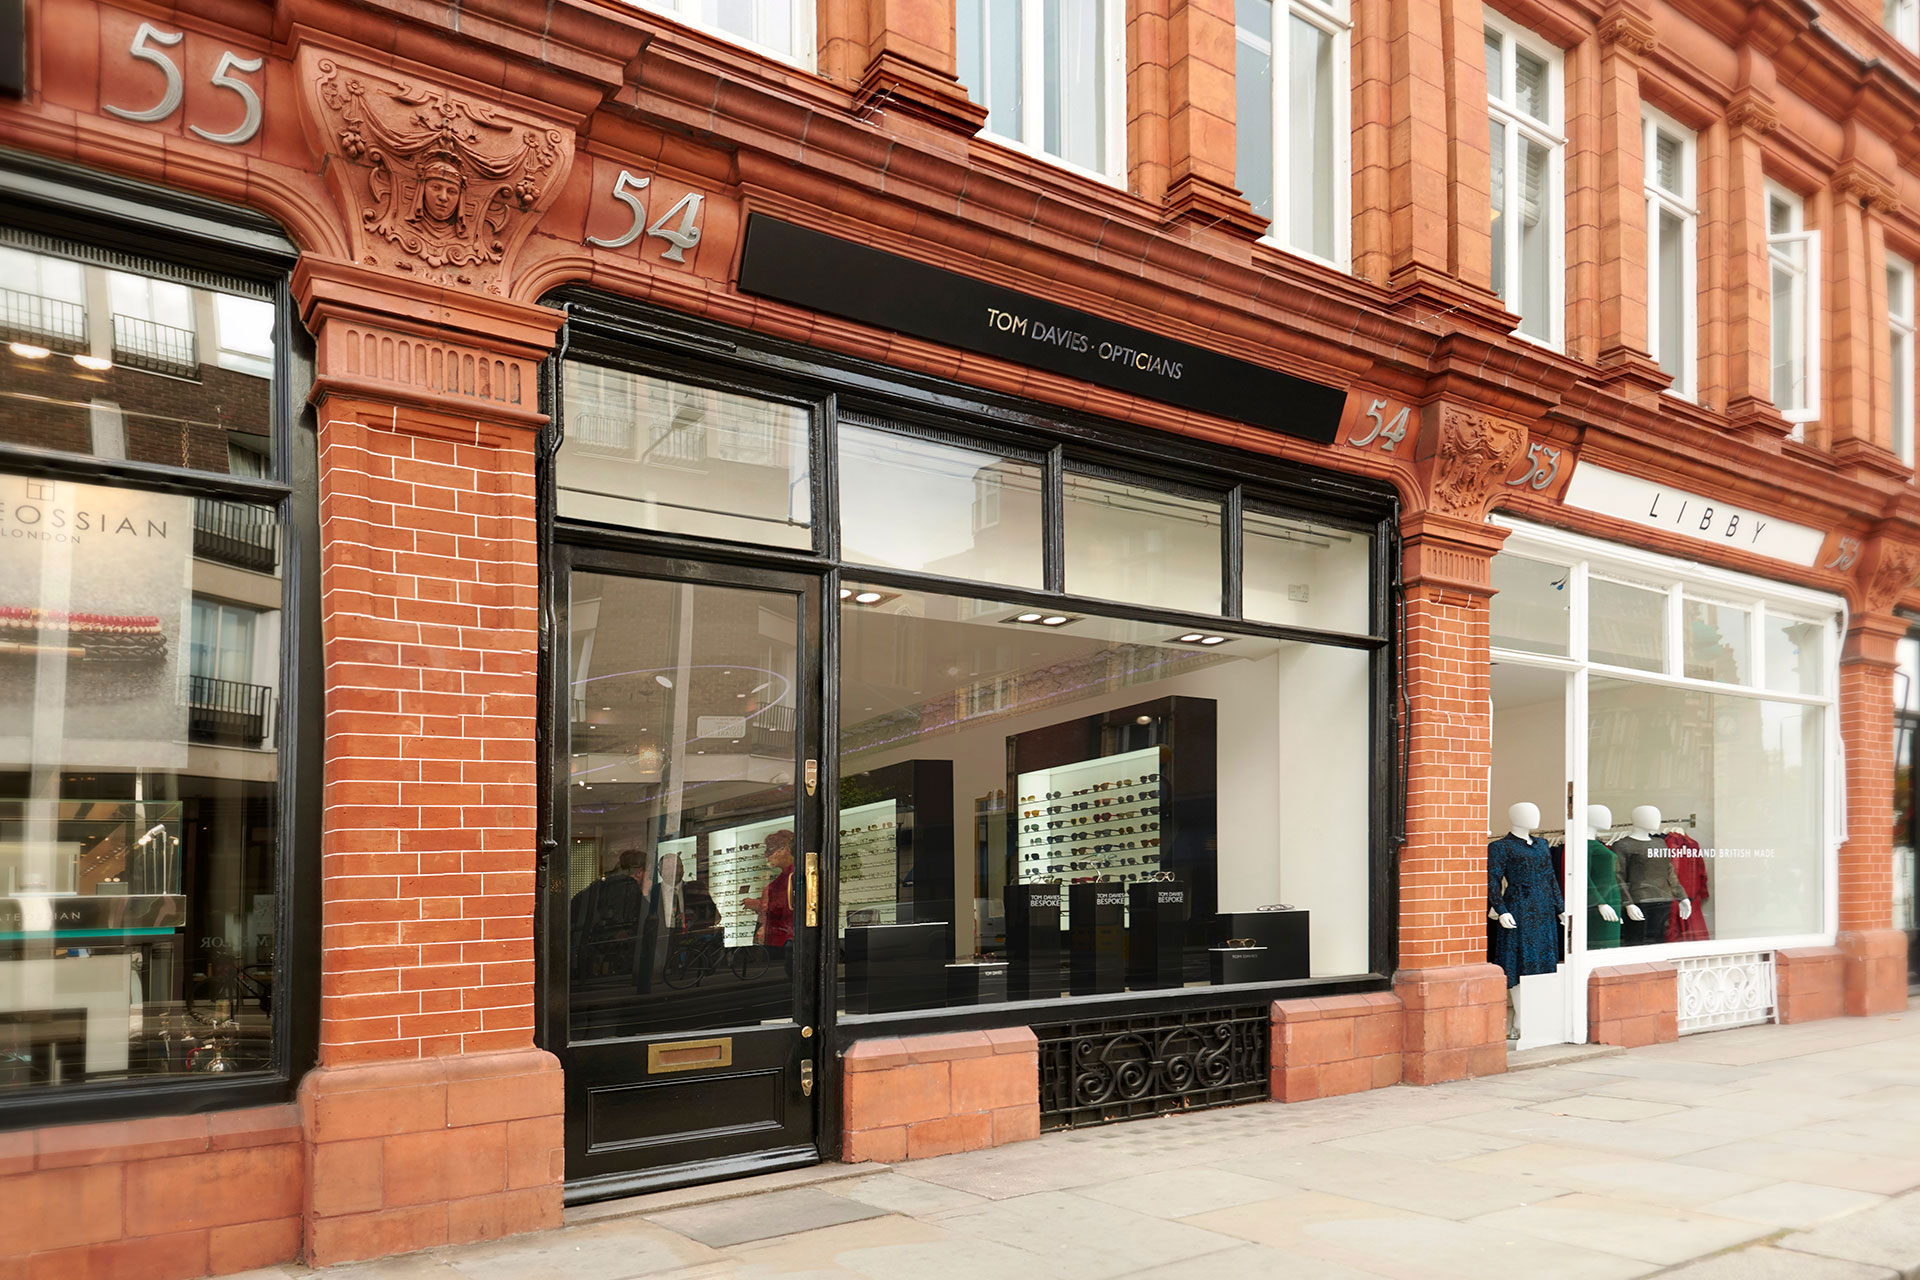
[1097, 1072]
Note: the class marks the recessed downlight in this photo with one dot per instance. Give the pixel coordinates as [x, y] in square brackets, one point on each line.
[1192, 637]
[27, 351]
[1199, 638]
[1028, 617]
[99, 364]
[845, 592]
[868, 597]
[1213, 640]
[1055, 620]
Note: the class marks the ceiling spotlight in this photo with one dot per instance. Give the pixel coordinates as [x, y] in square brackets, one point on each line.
[1028, 617]
[1143, 719]
[1055, 620]
[27, 351]
[663, 682]
[868, 597]
[1192, 637]
[1198, 637]
[1213, 639]
[845, 592]
[99, 364]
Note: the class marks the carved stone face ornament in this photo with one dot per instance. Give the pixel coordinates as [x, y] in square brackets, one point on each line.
[449, 182]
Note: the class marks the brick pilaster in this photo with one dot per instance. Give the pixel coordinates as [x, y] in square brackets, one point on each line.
[432, 1118]
[1748, 366]
[1620, 330]
[1200, 52]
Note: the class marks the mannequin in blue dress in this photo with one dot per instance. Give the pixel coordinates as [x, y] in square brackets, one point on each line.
[1523, 895]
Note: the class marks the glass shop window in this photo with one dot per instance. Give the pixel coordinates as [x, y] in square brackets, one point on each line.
[1737, 781]
[783, 28]
[138, 782]
[1142, 545]
[1036, 804]
[1299, 573]
[1530, 605]
[960, 512]
[647, 452]
[113, 364]
[1626, 625]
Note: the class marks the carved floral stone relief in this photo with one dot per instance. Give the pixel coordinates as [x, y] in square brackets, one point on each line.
[437, 183]
[1894, 572]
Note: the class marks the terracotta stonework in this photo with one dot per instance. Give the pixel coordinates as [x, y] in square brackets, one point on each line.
[442, 169]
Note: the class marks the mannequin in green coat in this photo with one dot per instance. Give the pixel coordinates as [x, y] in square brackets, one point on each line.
[1603, 883]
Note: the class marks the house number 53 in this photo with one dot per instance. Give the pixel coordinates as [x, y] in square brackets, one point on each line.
[627, 188]
[143, 48]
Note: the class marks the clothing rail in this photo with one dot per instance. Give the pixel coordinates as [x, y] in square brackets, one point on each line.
[1689, 822]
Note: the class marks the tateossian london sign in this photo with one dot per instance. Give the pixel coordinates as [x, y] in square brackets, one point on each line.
[1661, 506]
[824, 273]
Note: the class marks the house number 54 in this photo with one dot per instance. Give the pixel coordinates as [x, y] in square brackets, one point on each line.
[1388, 433]
[142, 48]
[679, 239]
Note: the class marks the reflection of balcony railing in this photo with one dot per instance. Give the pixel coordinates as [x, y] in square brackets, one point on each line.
[157, 348]
[601, 432]
[42, 322]
[770, 732]
[236, 533]
[226, 711]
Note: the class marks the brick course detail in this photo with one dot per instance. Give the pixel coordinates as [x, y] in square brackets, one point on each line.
[934, 1095]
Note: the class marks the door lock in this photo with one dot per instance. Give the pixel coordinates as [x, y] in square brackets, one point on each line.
[806, 1077]
[813, 890]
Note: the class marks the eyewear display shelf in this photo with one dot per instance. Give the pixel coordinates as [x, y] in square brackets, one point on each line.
[896, 880]
[1124, 798]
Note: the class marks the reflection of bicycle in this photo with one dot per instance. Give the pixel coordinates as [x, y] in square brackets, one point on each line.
[229, 980]
[697, 958]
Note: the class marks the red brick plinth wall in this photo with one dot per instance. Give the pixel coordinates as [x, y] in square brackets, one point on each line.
[157, 1199]
[1455, 1024]
[1633, 1004]
[408, 1155]
[1810, 983]
[1876, 971]
[1339, 1044]
[934, 1095]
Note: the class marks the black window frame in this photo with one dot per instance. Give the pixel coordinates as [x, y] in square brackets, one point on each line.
[606, 329]
[68, 203]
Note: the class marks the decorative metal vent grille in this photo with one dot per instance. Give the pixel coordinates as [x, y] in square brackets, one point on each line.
[1717, 992]
[1097, 1072]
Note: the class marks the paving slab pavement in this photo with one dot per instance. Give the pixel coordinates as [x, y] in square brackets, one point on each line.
[1766, 1153]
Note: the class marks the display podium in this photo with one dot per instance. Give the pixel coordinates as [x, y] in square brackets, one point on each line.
[894, 967]
[1033, 941]
[1097, 938]
[1281, 937]
[1156, 934]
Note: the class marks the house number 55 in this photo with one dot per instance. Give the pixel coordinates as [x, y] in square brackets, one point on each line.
[1387, 433]
[627, 188]
[142, 48]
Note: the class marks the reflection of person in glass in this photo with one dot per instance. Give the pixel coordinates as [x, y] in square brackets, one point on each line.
[775, 906]
[607, 920]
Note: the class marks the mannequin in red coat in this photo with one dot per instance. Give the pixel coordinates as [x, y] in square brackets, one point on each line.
[1691, 868]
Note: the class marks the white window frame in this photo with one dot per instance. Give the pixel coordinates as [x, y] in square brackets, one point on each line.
[1033, 89]
[1334, 17]
[1902, 17]
[698, 15]
[1807, 314]
[1549, 133]
[1681, 205]
[1900, 334]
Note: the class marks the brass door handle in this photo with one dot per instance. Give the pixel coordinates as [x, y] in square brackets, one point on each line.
[813, 890]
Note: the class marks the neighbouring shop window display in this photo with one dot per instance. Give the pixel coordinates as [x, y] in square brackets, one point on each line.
[140, 674]
[1702, 769]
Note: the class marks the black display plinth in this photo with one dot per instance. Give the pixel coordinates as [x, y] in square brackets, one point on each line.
[1097, 938]
[1156, 934]
[1238, 964]
[891, 967]
[1033, 941]
[977, 982]
[1283, 935]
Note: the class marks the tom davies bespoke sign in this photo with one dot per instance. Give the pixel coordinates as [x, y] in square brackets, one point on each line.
[1660, 506]
[823, 273]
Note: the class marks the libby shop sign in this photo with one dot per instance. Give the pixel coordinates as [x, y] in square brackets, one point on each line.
[1660, 506]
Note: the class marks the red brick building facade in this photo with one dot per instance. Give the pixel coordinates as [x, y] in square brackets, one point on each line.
[423, 1102]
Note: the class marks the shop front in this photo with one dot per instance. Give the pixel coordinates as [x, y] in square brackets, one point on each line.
[1672, 724]
[880, 707]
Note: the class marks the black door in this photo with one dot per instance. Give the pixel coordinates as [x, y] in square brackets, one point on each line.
[681, 977]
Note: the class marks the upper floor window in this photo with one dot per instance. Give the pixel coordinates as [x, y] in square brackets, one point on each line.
[1671, 219]
[783, 28]
[1052, 75]
[1293, 121]
[1527, 150]
[1903, 19]
[1793, 275]
[1900, 327]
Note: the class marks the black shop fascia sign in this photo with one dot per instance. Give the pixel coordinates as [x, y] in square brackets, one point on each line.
[820, 272]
